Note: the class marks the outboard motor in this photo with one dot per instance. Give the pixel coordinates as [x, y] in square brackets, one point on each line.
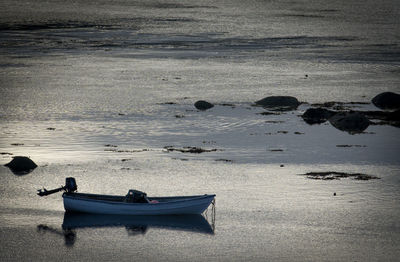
[70, 187]
[136, 196]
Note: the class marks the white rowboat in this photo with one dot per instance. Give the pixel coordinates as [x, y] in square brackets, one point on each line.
[117, 205]
[134, 203]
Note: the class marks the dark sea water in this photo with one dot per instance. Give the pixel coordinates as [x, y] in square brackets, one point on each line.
[97, 89]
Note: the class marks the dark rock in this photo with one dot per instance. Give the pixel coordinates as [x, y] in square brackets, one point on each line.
[21, 165]
[350, 122]
[203, 105]
[317, 115]
[387, 100]
[279, 103]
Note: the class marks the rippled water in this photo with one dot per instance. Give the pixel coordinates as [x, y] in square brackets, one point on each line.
[97, 89]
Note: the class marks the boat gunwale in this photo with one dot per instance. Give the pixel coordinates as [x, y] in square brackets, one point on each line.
[176, 199]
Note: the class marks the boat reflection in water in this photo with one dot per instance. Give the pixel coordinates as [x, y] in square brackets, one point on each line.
[135, 225]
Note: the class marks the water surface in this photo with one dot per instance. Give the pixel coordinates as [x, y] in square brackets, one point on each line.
[97, 89]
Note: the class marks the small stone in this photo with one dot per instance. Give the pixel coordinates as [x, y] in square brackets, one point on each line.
[203, 105]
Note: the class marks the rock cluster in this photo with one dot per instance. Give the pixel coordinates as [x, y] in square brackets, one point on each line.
[357, 121]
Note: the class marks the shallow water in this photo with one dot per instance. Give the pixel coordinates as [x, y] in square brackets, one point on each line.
[96, 90]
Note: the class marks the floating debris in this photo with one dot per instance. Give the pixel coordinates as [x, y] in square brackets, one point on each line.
[224, 160]
[332, 175]
[227, 104]
[351, 146]
[189, 149]
[276, 150]
[125, 151]
[51, 128]
[167, 103]
[274, 121]
[182, 159]
[17, 144]
[267, 113]
[283, 132]
[209, 142]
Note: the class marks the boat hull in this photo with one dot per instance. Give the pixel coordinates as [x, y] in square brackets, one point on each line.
[76, 202]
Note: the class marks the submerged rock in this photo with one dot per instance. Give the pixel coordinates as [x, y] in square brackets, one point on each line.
[280, 103]
[317, 115]
[203, 105]
[351, 122]
[387, 100]
[21, 165]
